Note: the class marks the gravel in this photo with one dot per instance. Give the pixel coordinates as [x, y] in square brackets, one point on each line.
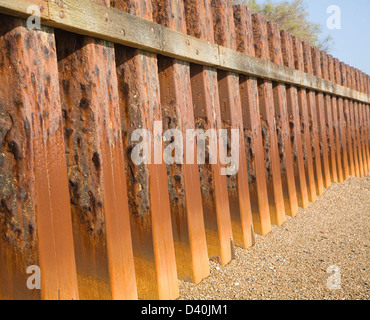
[291, 262]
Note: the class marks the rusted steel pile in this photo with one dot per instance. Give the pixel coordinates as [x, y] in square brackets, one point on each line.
[99, 226]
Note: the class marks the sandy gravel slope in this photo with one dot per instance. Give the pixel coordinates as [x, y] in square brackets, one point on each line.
[292, 261]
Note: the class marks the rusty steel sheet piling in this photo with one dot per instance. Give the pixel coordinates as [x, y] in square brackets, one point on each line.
[254, 153]
[283, 49]
[314, 123]
[150, 215]
[354, 116]
[297, 139]
[328, 107]
[359, 124]
[282, 117]
[364, 125]
[285, 130]
[35, 216]
[293, 54]
[356, 170]
[367, 133]
[183, 180]
[207, 113]
[96, 167]
[267, 112]
[362, 106]
[321, 118]
[231, 117]
[335, 122]
[347, 116]
[342, 124]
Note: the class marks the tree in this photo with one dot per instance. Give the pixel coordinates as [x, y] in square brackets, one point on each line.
[293, 17]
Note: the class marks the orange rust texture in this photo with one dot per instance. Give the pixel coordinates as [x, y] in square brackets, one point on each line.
[365, 124]
[267, 113]
[297, 139]
[231, 117]
[313, 122]
[363, 135]
[207, 115]
[281, 93]
[321, 117]
[364, 107]
[183, 180]
[342, 124]
[335, 123]
[96, 168]
[328, 107]
[150, 214]
[285, 132]
[352, 106]
[254, 153]
[293, 53]
[35, 220]
[367, 133]
[359, 124]
[347, 116]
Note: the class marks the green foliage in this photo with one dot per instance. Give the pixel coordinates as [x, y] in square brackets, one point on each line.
[293, 17]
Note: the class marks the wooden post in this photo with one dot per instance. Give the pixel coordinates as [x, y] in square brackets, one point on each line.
[252, 126]
[149, 204]
[35, 214]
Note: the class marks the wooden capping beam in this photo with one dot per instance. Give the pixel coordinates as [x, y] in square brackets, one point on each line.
[96, 20]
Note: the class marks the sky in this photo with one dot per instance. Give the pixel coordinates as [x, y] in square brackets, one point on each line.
[352, 41]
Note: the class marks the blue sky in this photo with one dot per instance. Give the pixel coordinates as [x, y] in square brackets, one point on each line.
[352, 41]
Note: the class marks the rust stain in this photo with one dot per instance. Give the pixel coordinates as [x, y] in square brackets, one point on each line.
[231, 117]
[253, 141]
[266, 105]
[140, 105]
[335, 123]
[282, 96]
[199, 22]
[183, 180]
[35, 221]
[96, 167]
[316, 67]
[328, 105]
[293, 53]
[341, 124]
